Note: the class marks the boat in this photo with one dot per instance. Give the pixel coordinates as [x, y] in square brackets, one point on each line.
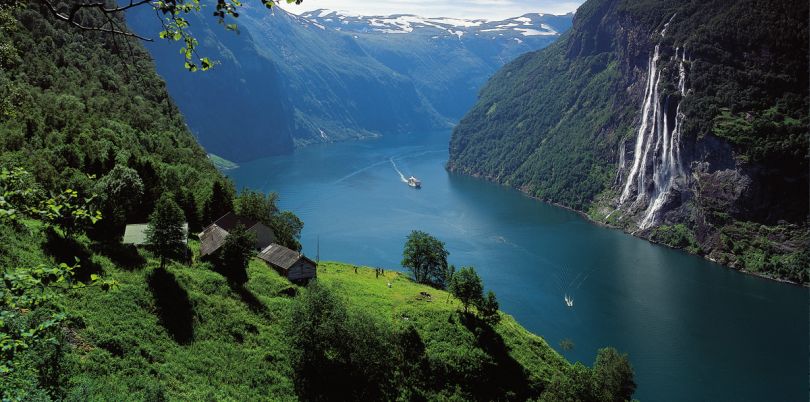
[569, 301]
[414, 182]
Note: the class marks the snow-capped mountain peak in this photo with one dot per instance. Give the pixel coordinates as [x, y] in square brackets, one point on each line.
[514, 28]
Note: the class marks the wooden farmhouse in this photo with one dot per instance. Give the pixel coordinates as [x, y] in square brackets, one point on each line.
[293, 265]
[213, 236]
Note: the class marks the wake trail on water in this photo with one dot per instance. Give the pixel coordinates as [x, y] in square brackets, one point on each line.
[401, 176]
[358, 171]
[568, 281]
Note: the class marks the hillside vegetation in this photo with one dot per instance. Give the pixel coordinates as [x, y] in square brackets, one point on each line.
[560, 125]
[77, 104]
[90, 141]
[187, 333]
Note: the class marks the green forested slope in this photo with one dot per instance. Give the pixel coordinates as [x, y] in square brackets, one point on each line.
[77, 103]
[560, 124]
[87, 112]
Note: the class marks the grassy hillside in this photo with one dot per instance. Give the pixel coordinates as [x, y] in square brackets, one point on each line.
[186, 333]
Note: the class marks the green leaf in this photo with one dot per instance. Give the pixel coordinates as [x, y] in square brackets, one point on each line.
[206, 63]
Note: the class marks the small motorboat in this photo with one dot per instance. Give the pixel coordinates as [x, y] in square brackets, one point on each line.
[569, 301]
[414, 182]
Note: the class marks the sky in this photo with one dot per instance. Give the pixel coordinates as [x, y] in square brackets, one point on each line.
[469, 9]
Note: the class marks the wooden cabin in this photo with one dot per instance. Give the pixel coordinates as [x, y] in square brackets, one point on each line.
[213, 236]
[291, 264]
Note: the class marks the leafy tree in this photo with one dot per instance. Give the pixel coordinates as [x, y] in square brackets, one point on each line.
[414, 365]
[69, 212]
[426, 257]
[188, 203]
[343, 355]
[150, 173]
[16, 191]
[575, 384]
[255, 205]
[488, 308]
[613, 376]
[170, 13]
[220, 202]
[236, 253]
[285, 224]
[466, 286]
[25, 289]
[165, 232]
[119, 191]
[610, 380]
[121, 188]
[287, 227]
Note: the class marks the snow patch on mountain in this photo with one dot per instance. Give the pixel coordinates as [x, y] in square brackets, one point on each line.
[523, 26]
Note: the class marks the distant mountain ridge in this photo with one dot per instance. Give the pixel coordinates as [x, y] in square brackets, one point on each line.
[527, 25]
[288, 80]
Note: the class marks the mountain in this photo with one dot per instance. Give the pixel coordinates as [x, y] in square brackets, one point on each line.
[288, 80]
[85, 317]
[683, 123]
[447, 59]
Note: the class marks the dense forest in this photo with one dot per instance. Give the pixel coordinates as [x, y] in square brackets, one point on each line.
[79, 105]
[91, 141]
[560, 125]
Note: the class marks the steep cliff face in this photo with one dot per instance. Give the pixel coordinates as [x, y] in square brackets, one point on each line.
[682, 123]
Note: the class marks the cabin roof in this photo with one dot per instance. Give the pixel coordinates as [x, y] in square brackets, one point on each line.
[211, 239]
[213, 236]
[135, 233]
[231, 220]
[281, 256]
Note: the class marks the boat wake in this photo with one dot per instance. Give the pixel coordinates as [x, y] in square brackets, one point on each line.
[569, 282]
[401, 176]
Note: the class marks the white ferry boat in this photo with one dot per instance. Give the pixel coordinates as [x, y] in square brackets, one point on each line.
[414, 182]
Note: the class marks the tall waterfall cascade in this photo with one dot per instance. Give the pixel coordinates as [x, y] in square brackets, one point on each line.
[656, 165]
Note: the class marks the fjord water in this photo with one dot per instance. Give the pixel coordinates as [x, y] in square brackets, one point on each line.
[693, 330]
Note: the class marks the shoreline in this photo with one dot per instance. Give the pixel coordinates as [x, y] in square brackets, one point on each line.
[609, 226]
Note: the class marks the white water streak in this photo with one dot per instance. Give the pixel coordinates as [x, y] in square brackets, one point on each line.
[652, 81]
[657, 154]
[401, 176]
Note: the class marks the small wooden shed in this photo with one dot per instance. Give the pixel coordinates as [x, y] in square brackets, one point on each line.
[213, 236]
[293, 265]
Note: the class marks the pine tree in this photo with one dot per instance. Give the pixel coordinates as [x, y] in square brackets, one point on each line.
[220, 202]
[236, 254]
[165, 232]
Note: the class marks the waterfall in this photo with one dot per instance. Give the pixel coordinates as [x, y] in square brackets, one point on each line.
[656, 165]
[650, 94]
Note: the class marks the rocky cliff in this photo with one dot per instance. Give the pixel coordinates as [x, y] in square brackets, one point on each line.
[683, 123]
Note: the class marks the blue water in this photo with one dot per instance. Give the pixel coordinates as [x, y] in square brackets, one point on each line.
[694, 330]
